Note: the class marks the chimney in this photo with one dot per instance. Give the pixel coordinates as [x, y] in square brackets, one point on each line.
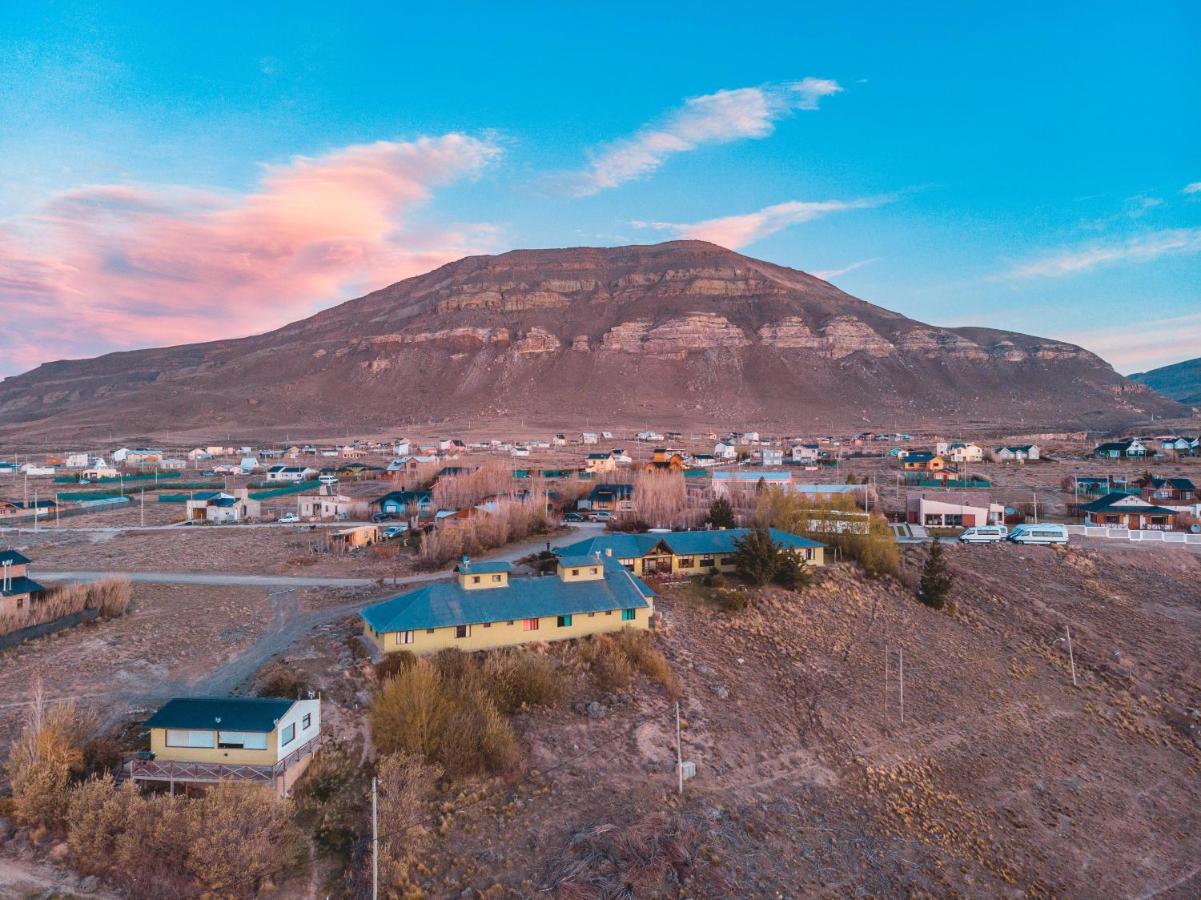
[608, 551]
[465, 560]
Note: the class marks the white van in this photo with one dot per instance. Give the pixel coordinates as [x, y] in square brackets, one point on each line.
[328, 480]
[984, 534]
[1039, 534]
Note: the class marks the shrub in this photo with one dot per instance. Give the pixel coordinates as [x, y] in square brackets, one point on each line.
[43, 760]
[517, 678]
[760, 560]
[731, 599]
[406, 786]
[279, 679]
[394, 663]
[331, 799]
[109, 597]
[639, 647]
[610, 667]
[721, 514]
[936, 580]
[98, 812]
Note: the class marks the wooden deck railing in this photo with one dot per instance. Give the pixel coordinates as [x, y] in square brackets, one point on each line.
[178, 770]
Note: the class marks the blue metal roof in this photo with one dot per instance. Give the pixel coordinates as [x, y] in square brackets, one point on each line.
[468, 567]
[13, 557]
[579, 561]
[680, 543]
[257, 714]
[21, 585]
[445, 604]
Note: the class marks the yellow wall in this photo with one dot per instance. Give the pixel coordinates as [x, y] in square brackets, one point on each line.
[467, 581]
[502, 634]
[724, 562]
[158, 744]
[583, 573]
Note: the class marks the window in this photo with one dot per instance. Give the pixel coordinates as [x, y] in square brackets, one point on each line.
[404, 637]
[628, 615]
[593, 570]
[462, 631]
[608, 612]
[475, 579]
[564, 621]
[687, 562]
[510, 621]
[496, 579]
[241, 740]
[180, 738]
[287, 735]
[307, 722]
[530, 624]
[429, 631]
[707, 562]
[575, 571]
[487, 624]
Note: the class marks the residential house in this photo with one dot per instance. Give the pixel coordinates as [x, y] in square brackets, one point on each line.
[621, 457]
[399, 503]
[667, 459]
[610, 498]
[1123, 510]
[722, 450]
[171, 464]
[770, 456]
[222, 508]
[922, 510]
[484, 608]
[600, 463]
[76, 461]
[806, 454]
[922, 461]
[727, 480]
[559, 440]
[37, 469]
[518, 450]
[682, 553]
[401, 447]
[8, 508]
[8, 468]
[324, 506]
[589, 437]
[96, 473]
[1130, 448]
[17, 590]
[290, 473]
[965, 453]
[250, 740]
[1176, 490]
[648, 436]
[1018, 453]
[704, 460]
[354, 537]
[198, 454]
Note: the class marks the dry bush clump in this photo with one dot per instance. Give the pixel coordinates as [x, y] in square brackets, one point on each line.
[608, 663]
[44, 759]
[510, 520]
[518, 678]
[442, 711]
[651, 858]
[492, 479]
[639, 647]
[279, 679]
[406, 820]
[394, 664]
[110, 597]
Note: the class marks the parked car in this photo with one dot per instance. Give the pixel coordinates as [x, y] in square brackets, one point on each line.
[288, 518]
[328, 480]
[1039, 534]
[602, 516]
[984, 534]
[395, 530]
[575, 517]
[381, 517]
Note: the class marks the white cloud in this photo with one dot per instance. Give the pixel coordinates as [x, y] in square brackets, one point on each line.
[1141, 248]
[827, 274]
[1141, 345]
[740, 230]
[721, 117]
[1194, 188]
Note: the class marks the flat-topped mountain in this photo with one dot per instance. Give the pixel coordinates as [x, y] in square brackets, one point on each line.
[675, 333]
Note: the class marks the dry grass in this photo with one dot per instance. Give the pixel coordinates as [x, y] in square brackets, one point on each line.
[109, 596]
[512, 520]
[520, 678]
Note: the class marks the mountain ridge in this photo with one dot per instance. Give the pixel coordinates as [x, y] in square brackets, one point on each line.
[679, 331]
[1180, 381]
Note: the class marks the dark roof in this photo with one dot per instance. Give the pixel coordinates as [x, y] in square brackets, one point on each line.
[21, 585]
[1106, 504]
[443, 604]
[1180, 484]
[258, 714]
[403, 498]
[617, 491]
[14, 557]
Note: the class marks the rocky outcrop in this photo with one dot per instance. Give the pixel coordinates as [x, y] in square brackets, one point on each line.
[938, 344]
[844, 335]
[790, 333]
[675, 338]
[537, 340]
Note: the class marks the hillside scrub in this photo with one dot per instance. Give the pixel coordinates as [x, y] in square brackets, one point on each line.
[110, 597]
[612, 660]
[836, 522]
[512, 520]
[760, 560]
[45, 759]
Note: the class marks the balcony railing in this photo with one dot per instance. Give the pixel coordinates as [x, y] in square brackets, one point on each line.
[207, 772]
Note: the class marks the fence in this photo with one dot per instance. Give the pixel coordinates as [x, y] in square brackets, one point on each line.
[1126, 534]
[288, 489]
[13, 638]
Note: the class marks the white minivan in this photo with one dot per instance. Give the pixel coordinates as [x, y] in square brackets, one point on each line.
[1039, 534]
[984, 534]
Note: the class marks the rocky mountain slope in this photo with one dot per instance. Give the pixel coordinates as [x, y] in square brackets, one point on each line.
[1180, 382]
[680, 333]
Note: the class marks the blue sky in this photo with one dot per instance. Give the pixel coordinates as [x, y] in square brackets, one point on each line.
[166, 176]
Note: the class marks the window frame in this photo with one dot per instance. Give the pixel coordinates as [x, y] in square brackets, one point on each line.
[629, 615]
[287, 734]
[563, 621]
[531, 624]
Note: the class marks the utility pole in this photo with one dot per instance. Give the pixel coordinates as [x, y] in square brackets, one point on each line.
[679, 752]
[143, 496]
[1071, 655]
[374, 840]
[901, 670]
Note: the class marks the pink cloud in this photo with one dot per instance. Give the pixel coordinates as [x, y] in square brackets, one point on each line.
[739, 230]
[117, 266]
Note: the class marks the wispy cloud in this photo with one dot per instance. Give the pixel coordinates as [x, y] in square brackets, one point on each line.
[721, 117]
[828, 274]
[1140, 248]
[130, 265]
[740, 230]
[1141, 345]
[1194, 188]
